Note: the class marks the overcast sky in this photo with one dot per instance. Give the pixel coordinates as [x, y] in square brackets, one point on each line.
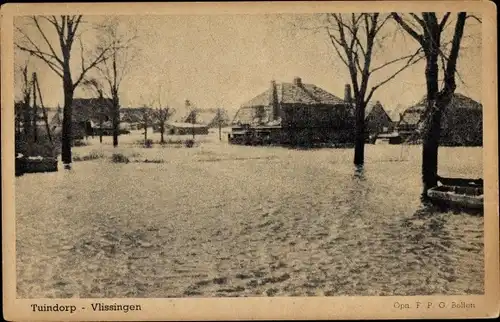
[227, 60]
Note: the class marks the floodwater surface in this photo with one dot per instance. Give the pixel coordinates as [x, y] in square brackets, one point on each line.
[221, 220]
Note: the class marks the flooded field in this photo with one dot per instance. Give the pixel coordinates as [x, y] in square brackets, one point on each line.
[221, 220]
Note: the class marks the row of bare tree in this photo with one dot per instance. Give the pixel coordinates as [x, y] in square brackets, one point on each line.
[353, 36]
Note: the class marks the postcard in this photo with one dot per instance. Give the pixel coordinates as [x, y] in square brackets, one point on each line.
[250, 161]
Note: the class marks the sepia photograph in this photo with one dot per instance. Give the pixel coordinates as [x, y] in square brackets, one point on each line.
[230, 152]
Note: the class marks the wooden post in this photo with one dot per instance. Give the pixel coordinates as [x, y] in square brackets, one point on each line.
[219, 119]
[101, 117]
[35, 111]
[45, 118]
[193, 120]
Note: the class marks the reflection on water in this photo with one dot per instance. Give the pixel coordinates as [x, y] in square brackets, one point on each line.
[260, 222]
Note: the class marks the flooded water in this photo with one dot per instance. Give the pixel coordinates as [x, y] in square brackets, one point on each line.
[220, 220]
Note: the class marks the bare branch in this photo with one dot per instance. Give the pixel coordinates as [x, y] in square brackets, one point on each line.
[417, 19]
[408, 64]
[397, 60]
[442, 24]
[46, 40]
[452, 61]
[333, 40]
[475, 18]
[407, 28]
[97, 60]
[387, 18]
[72, 28]
[43, 56]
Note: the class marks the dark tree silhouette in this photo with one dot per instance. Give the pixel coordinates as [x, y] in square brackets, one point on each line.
[427, 29]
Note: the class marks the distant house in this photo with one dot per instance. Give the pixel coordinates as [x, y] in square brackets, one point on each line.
[377, 120]
[209, 117]
[186, 128]
[132, 118]
[87, 115]
[461, 122]
[296, 113]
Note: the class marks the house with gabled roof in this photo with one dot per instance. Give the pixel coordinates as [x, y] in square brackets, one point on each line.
[210, 117]
[377, 120]
[297, 113]
[461, 121]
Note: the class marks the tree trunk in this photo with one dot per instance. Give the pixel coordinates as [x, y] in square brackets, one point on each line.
[66, 135]
[100, 128]
[220, 131]
[116, 119]
[359, 148]
[430, 148]
[432, 119]
[162, 131]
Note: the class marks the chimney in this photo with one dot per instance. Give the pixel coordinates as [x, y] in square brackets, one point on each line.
[347, 93]
[273, 100]
[297, 81]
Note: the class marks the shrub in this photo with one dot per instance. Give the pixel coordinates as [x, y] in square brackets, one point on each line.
[189, 143]
[119, 158]
[148, 143]
[154, 161]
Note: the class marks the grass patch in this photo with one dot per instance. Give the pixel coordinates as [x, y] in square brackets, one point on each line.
[144, 143]
[150, 161]
[119, 158]
[170, 141]
[93, 155]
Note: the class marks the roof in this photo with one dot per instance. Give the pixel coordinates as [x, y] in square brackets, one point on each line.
[458, 101]
[377, 106]
[289, 93]
[207, 116]
[90, 109]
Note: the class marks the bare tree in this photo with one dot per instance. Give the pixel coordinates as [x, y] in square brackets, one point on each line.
[192, 115]
[147, 119]
[115, 67]
[220, 119]
[94, 85]
[161, 117]
[354, 38]
[427, 29]
[66, 29]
